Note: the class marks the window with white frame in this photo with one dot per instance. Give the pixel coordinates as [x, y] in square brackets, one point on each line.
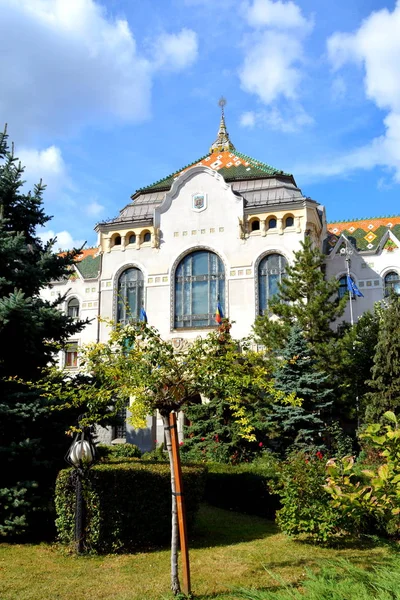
[71, 355]
[392, 283]
[73, 308]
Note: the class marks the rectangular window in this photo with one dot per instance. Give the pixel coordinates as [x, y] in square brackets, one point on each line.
[71, 355]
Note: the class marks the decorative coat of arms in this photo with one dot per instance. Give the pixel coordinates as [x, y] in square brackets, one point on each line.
[199, 202]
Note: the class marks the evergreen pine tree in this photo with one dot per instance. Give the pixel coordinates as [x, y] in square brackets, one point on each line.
[385, 381]
[306, 298]
[32, 443]
[304, 426]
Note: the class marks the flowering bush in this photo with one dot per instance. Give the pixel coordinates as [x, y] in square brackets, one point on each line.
[306, 506]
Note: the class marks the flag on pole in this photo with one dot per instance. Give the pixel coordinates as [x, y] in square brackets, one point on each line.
[352, 288]
[143, 315]
[219, 315]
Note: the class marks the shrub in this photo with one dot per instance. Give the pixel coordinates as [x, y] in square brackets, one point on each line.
[306, 506]
[128, 504]
[118, 451]
[378, 502]
[243, 488]
[159, 454]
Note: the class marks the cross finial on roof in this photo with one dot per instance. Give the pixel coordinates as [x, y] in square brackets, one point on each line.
[222, 142]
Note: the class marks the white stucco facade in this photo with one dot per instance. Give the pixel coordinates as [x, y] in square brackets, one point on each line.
[241, 217]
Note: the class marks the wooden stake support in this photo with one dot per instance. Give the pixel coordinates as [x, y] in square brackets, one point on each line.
[180, 504]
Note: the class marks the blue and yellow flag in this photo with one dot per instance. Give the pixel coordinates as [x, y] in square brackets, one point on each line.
[219, 315]
[352, 288]
[143, 315]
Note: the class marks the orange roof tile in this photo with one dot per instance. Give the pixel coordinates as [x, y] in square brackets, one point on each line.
[365, 224]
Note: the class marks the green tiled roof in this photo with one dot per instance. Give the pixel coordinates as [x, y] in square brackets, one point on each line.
[89, 267]
[253, 169]
[358, 237]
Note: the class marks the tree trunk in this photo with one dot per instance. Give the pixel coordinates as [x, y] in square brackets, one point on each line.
[175, 585]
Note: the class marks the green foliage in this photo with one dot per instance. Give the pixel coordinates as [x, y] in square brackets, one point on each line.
[128, 504]
[352, 361]
[378, 502]
[32, 442]
[118, 451]
[306, 507]
[337, 580]
[303, 427]
[243, 488]
[385, 380]
[306, 298]
[159, 454]
[232, 426]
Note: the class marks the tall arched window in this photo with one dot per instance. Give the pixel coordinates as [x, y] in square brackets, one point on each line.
[271, 271]
[392, 283]
[342, 286]
[73, 308]
[199, 285]
[130, 295]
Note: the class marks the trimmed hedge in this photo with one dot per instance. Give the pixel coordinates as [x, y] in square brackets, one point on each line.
[243, 488]
[128, 504]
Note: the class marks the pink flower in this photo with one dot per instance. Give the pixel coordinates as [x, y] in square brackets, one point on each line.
[181, 443]
[202, 439]
[261, 444]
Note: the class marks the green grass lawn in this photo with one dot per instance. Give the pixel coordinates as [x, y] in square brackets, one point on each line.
[227, 550]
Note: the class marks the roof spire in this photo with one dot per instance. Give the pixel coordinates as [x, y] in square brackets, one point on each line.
[222, 142]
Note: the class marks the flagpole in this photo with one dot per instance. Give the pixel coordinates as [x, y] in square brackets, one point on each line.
[347, 253]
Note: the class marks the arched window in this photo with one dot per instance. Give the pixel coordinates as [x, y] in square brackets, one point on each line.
[289, 221]
[130, 295]
[342, 286]
[271, 271]
[132, 239]
[73, 308]
[255, 225]
[199, 285]
[272, 223]
[117, 240]
[147, 237]
[392, 283]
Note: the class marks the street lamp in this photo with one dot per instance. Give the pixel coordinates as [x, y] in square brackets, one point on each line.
[347, 254]
[80, 456]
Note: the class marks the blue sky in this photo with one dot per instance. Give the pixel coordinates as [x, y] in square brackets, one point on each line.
[102, 98]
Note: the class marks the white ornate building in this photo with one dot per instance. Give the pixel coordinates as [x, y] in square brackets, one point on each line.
[220, 230]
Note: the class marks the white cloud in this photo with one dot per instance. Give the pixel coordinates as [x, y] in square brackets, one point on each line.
[248, 119]
[69, 63]
[288, 118]
[176, 51]
[94, 209]
[273, 63]
[64, 241]
[270, 67]
[280, 15]
[375, 46]
[47, 165]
